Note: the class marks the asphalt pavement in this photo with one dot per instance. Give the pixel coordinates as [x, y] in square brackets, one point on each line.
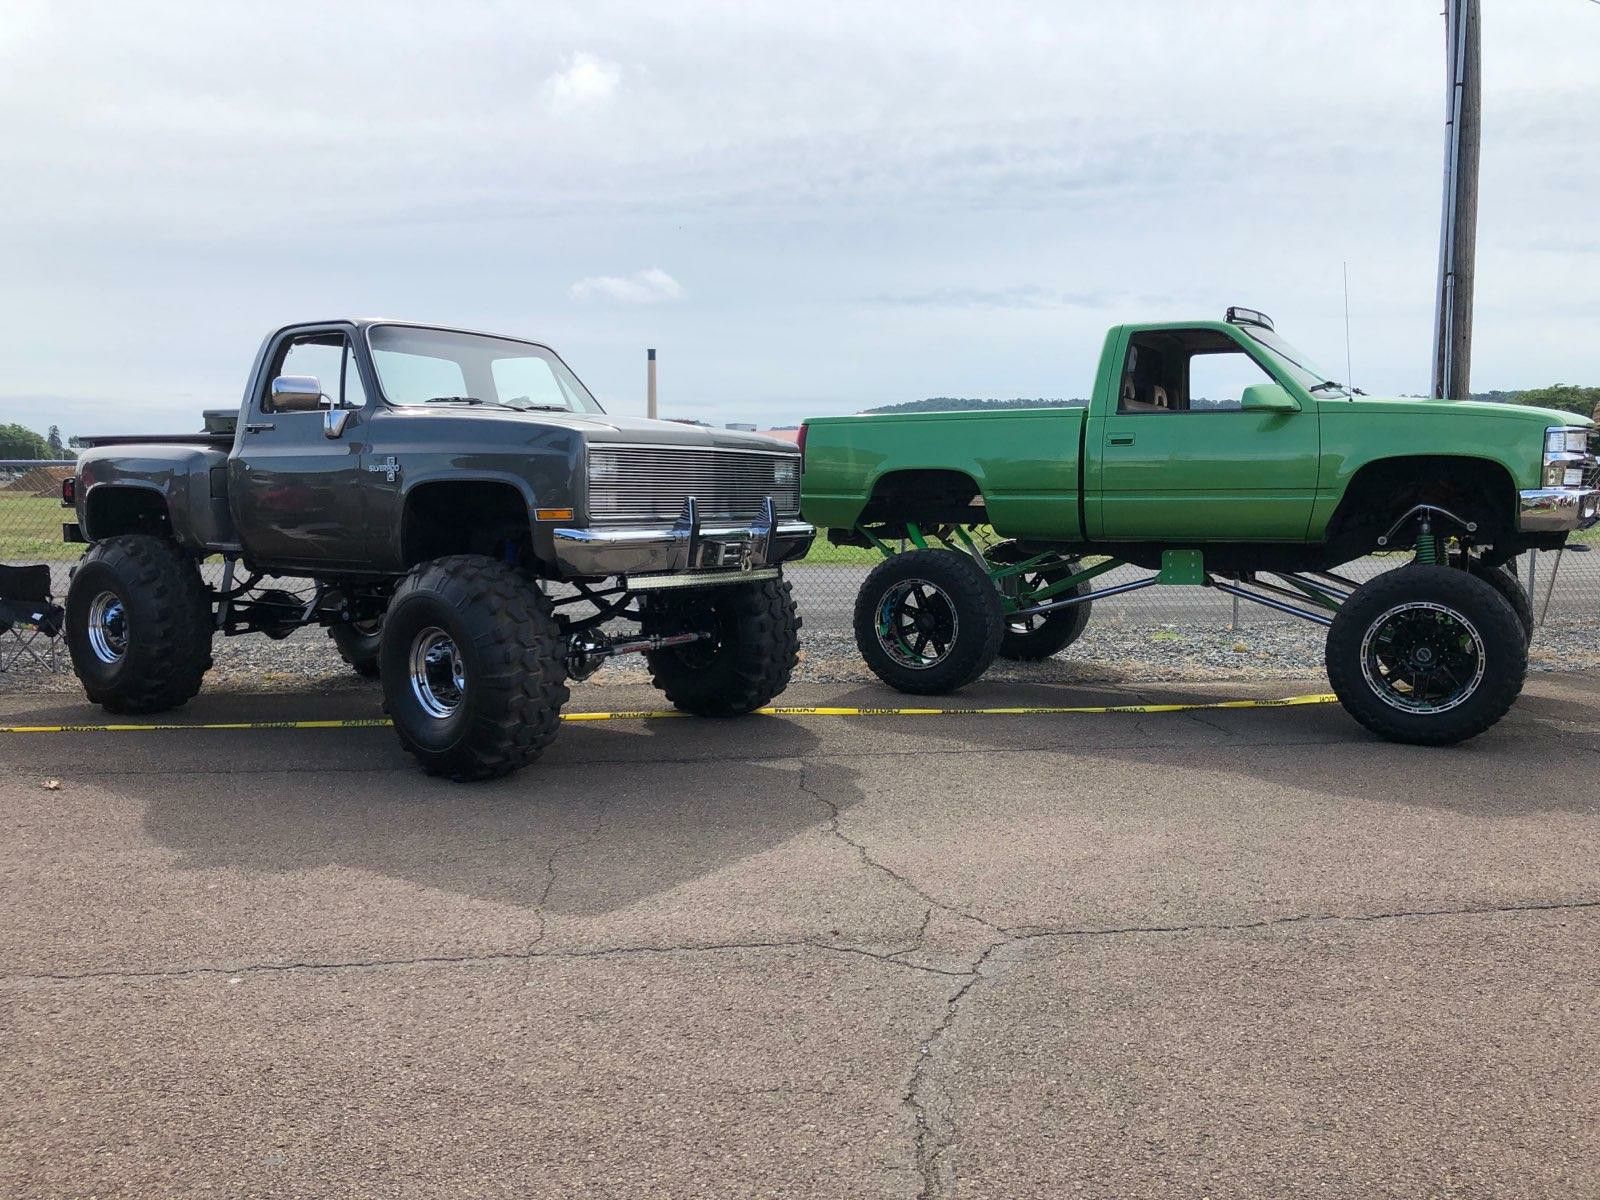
[1217, 953]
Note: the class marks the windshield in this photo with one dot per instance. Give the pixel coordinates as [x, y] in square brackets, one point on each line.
[442, 367]
[1295, 364]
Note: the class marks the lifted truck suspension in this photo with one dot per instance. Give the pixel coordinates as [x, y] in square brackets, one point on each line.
[588, 650]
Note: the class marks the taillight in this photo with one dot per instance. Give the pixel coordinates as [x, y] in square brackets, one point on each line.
[800, 440]
[69, 492]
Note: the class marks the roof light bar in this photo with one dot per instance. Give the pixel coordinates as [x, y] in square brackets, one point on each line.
[1249, 316]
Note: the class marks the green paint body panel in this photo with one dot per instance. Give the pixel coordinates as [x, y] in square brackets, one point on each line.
[1087, 474]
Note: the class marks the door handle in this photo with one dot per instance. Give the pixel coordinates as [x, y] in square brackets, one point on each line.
[259, 426]
[1121, 439]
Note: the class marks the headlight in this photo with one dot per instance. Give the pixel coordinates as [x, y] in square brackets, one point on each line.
[1566, 456]
[785, 472]
[1570, 439]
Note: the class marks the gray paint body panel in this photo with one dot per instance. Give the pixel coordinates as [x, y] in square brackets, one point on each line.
[299, 502]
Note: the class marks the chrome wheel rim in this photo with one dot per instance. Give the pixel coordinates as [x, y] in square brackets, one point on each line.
[1424, 658]
[438, 679]
[917, 624]
[108, 627]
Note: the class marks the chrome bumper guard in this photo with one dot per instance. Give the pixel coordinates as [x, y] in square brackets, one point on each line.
[726, 552]
[1554, 510]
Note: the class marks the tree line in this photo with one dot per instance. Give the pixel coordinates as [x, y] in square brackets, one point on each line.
[18, 441]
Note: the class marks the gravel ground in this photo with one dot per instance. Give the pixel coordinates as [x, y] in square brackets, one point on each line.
[1112, 650]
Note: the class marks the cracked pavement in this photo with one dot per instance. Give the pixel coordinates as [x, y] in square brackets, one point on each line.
[1249, 953]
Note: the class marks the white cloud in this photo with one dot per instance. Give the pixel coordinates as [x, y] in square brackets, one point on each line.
[588, 82]
[650, 286]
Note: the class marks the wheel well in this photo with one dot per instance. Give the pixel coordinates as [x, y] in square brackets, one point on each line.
[465, 517]
[926, 496]
[1475, 489]
[110, 511]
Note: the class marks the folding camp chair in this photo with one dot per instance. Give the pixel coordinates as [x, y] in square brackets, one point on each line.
[27, 617]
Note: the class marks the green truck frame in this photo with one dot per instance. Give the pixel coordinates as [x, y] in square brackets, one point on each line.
[1212, 453]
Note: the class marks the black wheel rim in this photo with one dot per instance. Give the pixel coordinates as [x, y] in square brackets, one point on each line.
[1027, 586]
[1424, 658]
[917, 624]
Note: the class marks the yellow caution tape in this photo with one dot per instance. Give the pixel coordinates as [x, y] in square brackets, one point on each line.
[657, 714]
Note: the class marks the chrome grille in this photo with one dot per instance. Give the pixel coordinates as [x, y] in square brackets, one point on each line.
[650, 483]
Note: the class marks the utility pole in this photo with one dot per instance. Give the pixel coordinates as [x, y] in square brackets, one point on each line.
[650, 384]
[1458, 234]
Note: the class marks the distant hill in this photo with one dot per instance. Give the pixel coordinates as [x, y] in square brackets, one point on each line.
[965, 404]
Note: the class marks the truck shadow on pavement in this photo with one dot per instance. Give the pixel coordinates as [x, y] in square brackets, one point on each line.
[607, 819]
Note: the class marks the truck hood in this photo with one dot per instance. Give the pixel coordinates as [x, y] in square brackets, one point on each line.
[1430, 406]
[604, 427]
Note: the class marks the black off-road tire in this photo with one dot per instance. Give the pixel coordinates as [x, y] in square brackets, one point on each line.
[1503, 579]
[969, 612]
[164, 629]
[1495, 632]
[513, 661]
[358, 643]
[746, 664]
[1033, 639]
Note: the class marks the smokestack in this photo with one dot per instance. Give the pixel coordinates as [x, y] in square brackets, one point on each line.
[650, 384]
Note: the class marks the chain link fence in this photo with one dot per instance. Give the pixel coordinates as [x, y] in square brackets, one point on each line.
[1565, 587]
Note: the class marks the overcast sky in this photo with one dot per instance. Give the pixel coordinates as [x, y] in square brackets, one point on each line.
[808, 207]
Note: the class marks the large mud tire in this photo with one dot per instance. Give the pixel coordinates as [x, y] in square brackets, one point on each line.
[473, 667]
[358, 643]
[1427, 655]
[1033, 639]
[138, 624]
[748, 660]
[928, 621]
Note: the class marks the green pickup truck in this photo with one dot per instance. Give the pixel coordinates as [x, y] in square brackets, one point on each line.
[1212, 453]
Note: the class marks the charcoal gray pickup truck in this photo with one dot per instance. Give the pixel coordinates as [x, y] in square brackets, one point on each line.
[463, 517]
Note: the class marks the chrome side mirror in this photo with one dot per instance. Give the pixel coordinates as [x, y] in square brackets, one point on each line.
[296, 393]
[333, 422]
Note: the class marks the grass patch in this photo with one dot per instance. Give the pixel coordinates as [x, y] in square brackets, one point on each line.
[30, 530]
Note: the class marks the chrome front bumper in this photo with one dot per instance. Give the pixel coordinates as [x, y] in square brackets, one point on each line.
[685, 545]
[1557, 510]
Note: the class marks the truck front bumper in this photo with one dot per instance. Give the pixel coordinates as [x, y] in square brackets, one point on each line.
[1557, 510]
[685, 545]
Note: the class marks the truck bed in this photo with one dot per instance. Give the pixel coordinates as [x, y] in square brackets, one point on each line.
[1025, 462]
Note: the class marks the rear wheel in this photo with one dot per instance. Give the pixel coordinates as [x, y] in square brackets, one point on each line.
[138, 624]
[473, 667]
[928, 621]
[1030, 639]
[751, 650]
[1427, 655]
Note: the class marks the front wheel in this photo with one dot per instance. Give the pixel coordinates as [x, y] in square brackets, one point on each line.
[928, 621]
[358, 643]
[1427, 655]
[473, 667]
[138, 624]
[750, 648]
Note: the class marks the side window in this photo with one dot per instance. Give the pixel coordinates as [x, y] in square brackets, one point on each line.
[1217, 380]
[318, 354]
[1149, 384]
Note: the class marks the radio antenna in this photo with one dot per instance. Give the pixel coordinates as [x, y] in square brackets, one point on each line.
[1349, 371]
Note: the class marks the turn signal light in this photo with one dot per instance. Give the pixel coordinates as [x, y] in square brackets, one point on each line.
[553, 514]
